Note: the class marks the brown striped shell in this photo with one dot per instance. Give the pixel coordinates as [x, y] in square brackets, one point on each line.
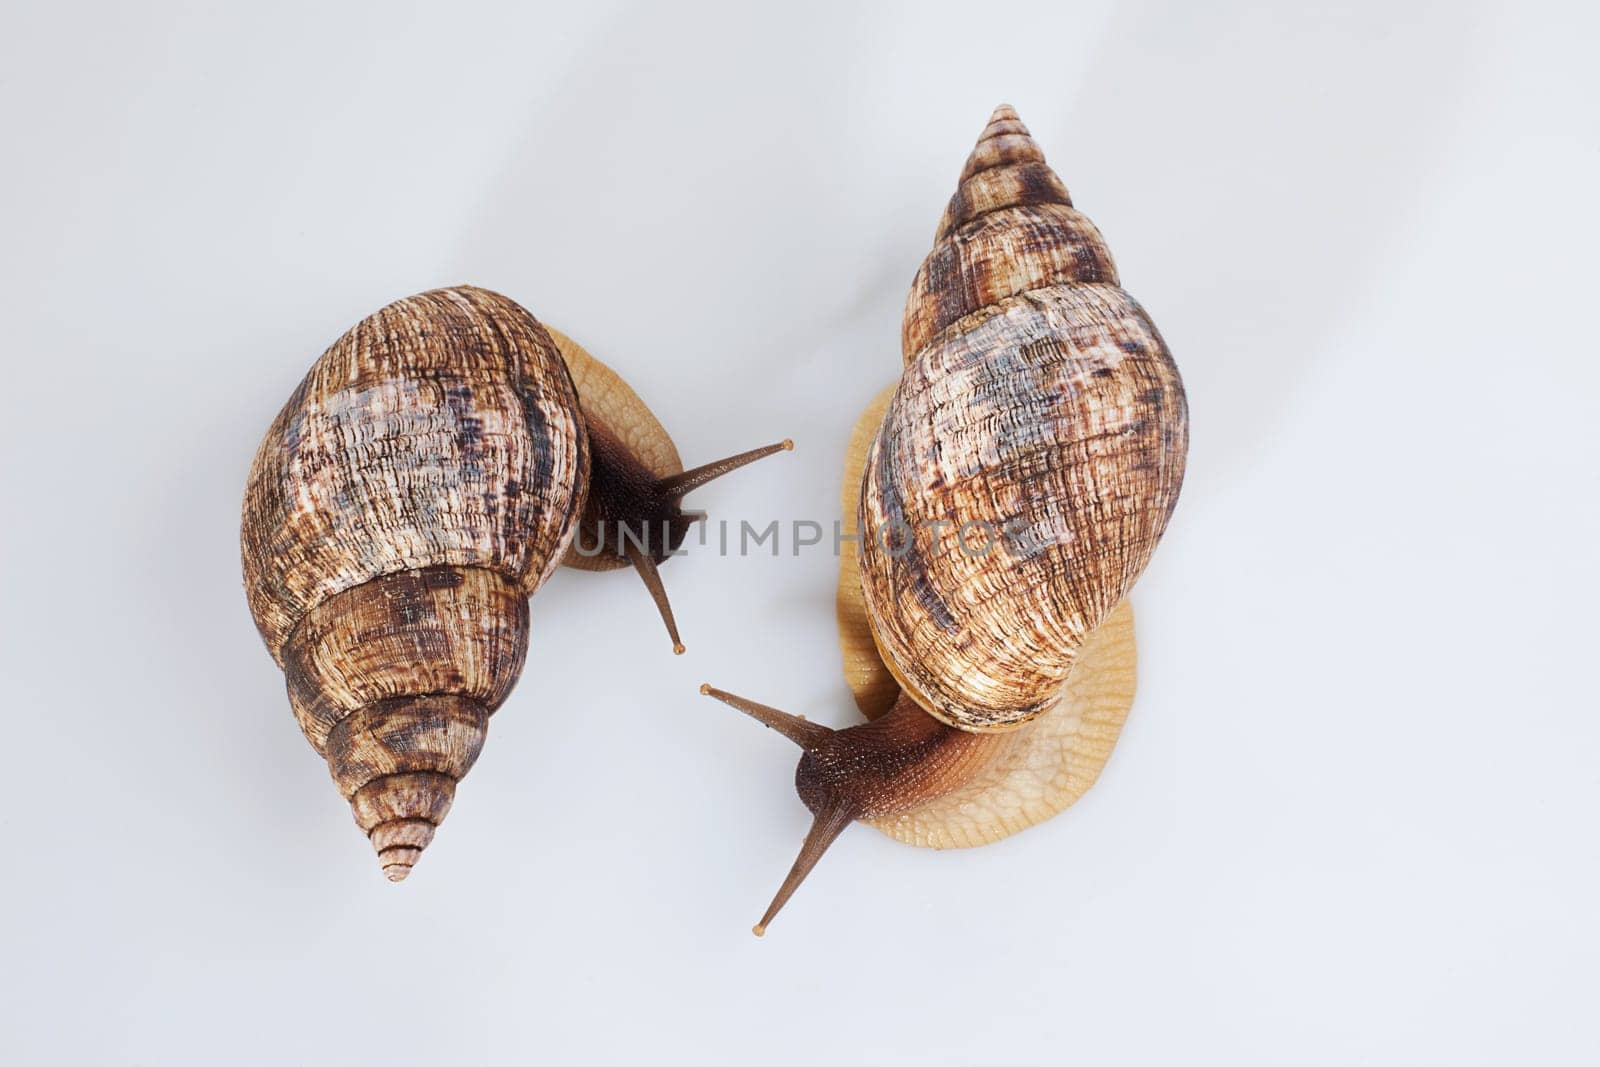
[1030, 455]
[1016, 778]
[423, 480]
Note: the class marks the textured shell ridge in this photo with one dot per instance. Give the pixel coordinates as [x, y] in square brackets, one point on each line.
[440, 430]
[1027, 775]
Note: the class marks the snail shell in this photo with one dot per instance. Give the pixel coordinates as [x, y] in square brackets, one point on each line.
[420, 484]
[1017, 778]
[1040, 415]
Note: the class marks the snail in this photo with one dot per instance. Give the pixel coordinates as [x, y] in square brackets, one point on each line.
[1007, 492]
[421, 483]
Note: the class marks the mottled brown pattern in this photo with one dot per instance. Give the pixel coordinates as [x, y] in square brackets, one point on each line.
[1056, 417]
[998, 188]
[1002, 253]
[1036, 240]
[1039, 400]
[1005, 141]
[442, 734]
[441, 430]
[398, 763]
[420, 484]
[396, 798]
[461, 630]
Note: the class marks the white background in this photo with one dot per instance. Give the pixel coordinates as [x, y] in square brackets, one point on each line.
[1353, 817]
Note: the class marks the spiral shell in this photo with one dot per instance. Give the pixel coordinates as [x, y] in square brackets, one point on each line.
[1031, 453]
[423, 480]
[1020, 777]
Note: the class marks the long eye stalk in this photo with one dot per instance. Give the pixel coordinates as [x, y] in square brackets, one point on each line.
[832, 817]
[801, 731]
[639, 506]
[652, 581]
[825, 830]
[679, 484]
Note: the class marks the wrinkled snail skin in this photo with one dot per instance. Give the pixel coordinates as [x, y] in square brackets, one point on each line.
[633, 515]
[1038, 405]
[421, 483]
[896, 763]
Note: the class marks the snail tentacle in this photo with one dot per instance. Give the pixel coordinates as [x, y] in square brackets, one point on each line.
[680, 484]
[801, 731]
[633, 515]
[825, 830]
[652, 580]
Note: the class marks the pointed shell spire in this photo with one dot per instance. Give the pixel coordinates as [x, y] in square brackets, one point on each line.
[1004, 141]
[398, 763]
[1009, 228]
[1005, 169]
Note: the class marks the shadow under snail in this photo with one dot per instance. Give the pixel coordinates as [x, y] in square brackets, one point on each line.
[422, 482]
[1008, 492]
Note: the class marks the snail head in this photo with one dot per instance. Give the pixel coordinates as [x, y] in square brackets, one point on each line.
[897, 762]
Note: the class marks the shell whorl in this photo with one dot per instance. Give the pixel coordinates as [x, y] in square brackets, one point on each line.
[1010, 228]
[1039, 412]
[441, 430]
[423, 480]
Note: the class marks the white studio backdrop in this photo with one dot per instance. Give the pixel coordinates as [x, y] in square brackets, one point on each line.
[1352, 817]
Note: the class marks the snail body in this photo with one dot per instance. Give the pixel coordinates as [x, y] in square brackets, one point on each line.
[633, 514]
[1039, 408]
[423, 481]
